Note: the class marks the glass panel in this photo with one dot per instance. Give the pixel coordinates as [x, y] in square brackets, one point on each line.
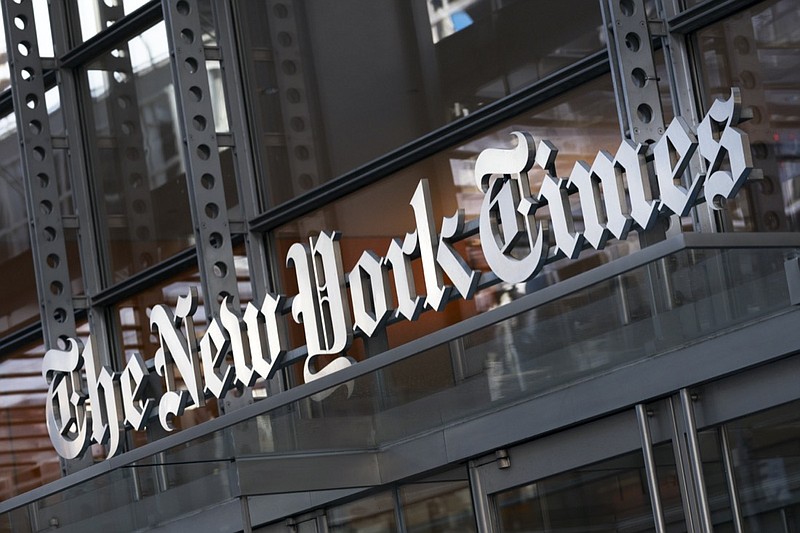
[766, 460]
[217, 96]
[19, 305]
[336, 84]
[44, 35]
[581, 122]
[575, 340]
[137, 165]
[134, 335]
[27, 457]
[758, 51]
[97, 15]
[139, 496]
[541, 348]
[374, 513]
[206, 11]
[437, 507]
[607, 496]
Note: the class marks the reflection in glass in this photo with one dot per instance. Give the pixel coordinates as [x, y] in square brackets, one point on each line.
[607, 496]
[5, 74]
[580, 123]
[27, 457]
[134, 335]
[336, 84]
[437, 507]
[19, 305]
[374, 513]
[97, 15]
[669, 490]
[758, 50]
[766, 461]
[137, 165]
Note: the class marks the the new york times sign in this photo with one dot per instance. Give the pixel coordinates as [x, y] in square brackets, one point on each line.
[514, 240]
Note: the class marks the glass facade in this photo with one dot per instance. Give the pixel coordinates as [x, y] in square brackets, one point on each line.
[644, 384]
[325, 108]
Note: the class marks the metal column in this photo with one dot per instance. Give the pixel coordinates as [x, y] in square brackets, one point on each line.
[64, 20]
[41, 187]
[680, 71]
[201, 153]
[48, 245]
[633, 68]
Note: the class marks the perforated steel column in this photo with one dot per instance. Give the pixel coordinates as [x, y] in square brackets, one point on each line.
[201, 153]
[63, 15]
[41, 187]
[126, 131]
[634, 69]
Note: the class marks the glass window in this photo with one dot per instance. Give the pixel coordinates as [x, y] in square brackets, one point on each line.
[580, 123]
[19, 305]
[758, 50]
[137, 166]
[5, 74]
[607, 496]
[374, 513]
[438, 507]
[765, 448]
[336, 84]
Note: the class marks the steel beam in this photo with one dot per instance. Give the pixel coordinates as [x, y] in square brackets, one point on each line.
[201, 153]
[235, 79]
[41, 187]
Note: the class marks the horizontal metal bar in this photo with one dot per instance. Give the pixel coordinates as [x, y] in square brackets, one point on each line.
[431, 143]
[130, 26]
[705, 14]
[147, 278]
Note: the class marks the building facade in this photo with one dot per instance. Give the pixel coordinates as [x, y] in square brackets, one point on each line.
[265, 265]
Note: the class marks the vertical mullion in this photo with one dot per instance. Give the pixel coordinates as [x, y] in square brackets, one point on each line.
[695, 461]
[201, 154]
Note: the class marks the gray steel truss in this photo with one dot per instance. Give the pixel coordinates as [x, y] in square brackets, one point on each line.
[201, 154]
